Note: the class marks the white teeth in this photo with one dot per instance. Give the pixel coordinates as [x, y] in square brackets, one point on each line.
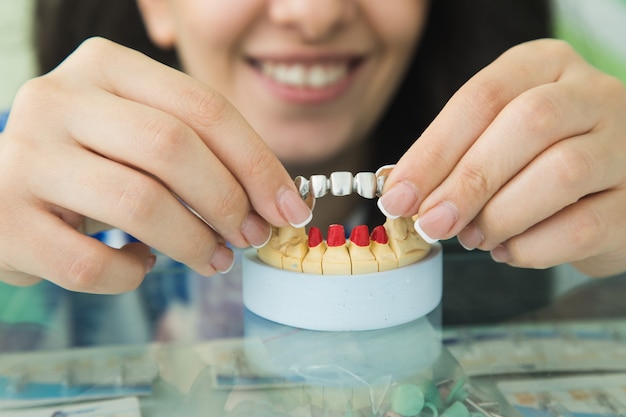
[299, 75]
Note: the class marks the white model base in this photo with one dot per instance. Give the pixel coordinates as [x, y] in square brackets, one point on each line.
[343, 302]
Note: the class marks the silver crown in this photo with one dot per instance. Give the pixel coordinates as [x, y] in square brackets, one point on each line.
[341, 183]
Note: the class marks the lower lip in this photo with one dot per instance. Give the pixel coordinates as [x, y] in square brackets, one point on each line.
[305, 95]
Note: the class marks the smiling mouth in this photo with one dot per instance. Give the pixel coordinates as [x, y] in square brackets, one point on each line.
[301, 75]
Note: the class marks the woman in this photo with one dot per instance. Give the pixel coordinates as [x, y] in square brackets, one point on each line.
[314, 87]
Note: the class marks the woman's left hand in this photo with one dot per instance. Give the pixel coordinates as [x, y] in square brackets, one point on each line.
[528, 161]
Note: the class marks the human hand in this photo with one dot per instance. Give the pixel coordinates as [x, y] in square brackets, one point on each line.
[112, 135]
[527, 160]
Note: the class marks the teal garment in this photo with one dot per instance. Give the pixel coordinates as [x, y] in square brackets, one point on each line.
[21, 304]
[3, 120]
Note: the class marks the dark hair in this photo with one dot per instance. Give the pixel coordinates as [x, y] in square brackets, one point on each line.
[460, 38]
[61, 25]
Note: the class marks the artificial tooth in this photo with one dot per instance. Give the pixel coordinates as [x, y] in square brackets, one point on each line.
[361, 257]
[379, 246]
[312, 262]
[336, 259]
[365, 184]
[319, 185]
[341, 183]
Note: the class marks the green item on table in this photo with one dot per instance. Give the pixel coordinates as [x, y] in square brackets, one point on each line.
[432, 394]
[458, 392]
[457, 409]
[407, 400]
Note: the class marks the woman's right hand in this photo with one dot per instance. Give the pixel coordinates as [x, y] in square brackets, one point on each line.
[114, 136]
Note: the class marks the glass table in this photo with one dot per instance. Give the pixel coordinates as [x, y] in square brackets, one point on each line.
[184, 345]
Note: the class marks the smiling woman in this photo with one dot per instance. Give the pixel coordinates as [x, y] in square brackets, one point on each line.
[324, 86]
[519, 158]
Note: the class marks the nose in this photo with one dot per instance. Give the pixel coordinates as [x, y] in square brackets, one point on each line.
[315, 20]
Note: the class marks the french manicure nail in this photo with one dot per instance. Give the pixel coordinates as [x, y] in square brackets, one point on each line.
[398, 200]
[223, 259]
[501, 254]
[256, 230]
[293, 208]
[437, 222]
[150, 262]
[471, 237]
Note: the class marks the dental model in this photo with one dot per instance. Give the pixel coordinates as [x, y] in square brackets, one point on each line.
[392, 245]
[354, 279]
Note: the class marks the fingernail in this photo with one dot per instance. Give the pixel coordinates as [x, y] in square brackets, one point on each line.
[437, 222]
[501, 254]
[150, 262]
[471, 237]
[293, 208]
[223, 259]
[256, 230]
[398, 200]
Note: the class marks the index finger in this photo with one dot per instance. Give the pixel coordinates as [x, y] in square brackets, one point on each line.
[267, 184]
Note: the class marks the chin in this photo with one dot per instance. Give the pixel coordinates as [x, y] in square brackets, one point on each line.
[296, 154]
[305, 145]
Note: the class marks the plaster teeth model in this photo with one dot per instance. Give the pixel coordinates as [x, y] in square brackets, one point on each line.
[375, 280]
[392, 245]
[405, 242]
[312, 261]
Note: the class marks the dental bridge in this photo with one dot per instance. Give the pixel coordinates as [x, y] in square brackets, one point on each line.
[390, 246]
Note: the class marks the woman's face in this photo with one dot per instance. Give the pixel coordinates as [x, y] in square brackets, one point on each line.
[311, 76]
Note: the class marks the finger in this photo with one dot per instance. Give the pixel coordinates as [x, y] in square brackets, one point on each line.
[162, 145]
[525, 128]
[577, 234]
[466, 116]
[18, 279]
[125, 198]
[559, 177]
[75, 261]
[267, 184]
